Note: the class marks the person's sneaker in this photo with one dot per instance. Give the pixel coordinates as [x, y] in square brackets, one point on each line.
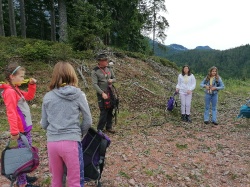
[110, 130]
[183, 117]
[31, 179]
[215, 123]
[206, 122]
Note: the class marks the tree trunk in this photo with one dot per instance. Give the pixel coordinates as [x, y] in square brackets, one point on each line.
[41, 10]
[12, 18]
[23, 20]
[53, 21]
[154, 25]
[1, 19]
[63, 34]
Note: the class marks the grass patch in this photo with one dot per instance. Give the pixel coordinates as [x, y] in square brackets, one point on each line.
[46, 181]
[181, 146]
[124, 174]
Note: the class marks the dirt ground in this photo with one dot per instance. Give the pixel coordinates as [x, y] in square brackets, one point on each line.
[184, 155]
[168, 153]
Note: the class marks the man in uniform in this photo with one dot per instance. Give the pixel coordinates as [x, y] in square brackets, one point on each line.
[102, 77]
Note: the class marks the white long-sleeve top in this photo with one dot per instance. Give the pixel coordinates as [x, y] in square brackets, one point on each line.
[186, 83]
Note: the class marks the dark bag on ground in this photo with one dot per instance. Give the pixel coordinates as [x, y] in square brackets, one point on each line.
[244, 111]
[94, 146]
[15, 161]
[171, 103]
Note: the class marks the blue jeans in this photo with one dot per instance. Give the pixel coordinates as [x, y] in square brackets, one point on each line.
[213, 98]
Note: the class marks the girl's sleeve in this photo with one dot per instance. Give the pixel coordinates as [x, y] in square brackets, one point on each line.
[221, 85]
[44, 121]
[10, 100]
[203, 83]
[30, 94]
[179, 82]
[95, 82]
[87, 118]
[193, 83]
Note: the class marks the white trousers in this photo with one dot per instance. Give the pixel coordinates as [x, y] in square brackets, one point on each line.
[186, 103]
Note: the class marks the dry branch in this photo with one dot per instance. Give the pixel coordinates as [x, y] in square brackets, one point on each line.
[83, 78]
[137, 84]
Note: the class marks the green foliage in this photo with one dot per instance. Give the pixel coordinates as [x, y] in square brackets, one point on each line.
[135, 55]
[181, 146]
[124, 174]
[38, 51]
[232, 63]
[149, 172]
[155, 22]
[83, 42]
[91, 24]
[86, 26]
[60, 51]
[46, 181]
[165, 62]
[88, 54]
[33, 50]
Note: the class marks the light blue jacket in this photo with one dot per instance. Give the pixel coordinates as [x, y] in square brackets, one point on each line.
[218, 84]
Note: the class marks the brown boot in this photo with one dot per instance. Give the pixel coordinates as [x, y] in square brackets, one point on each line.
[111, 131]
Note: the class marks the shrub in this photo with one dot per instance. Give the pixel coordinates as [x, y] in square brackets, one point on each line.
[37, 51]
[61, 51]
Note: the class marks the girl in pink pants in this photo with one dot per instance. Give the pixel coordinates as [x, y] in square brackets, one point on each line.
[70, 153]
[63, 107]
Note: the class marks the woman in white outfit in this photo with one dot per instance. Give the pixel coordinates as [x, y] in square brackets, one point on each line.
[185, 86]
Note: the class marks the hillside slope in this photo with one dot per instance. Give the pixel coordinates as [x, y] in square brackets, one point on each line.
[152, 147]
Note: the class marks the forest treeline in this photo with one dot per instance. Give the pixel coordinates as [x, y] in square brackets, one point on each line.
[232, 63]
[86, 23]
[96, 24]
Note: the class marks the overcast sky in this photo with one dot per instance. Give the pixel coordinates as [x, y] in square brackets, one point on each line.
[220, 24]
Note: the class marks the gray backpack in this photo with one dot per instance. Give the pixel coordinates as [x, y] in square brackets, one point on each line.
[15, 161]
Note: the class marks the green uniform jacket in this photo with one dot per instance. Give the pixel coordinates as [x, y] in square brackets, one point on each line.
[100, 77]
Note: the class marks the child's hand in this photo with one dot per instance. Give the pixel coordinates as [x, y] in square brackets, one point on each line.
[32, 81]
[213, 88]
[207, 87]
[15, 137]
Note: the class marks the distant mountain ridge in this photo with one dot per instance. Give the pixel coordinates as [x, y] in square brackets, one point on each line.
[180, 48]
[204, 48]
[167, 50]
[234, 62]
[177, 47]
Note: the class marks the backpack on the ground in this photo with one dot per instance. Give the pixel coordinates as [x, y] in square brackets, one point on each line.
[171, 103]
[15, 161]
[244, 111]
[94, 146]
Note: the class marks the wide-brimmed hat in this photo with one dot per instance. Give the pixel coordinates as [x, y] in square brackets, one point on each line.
[102, 57]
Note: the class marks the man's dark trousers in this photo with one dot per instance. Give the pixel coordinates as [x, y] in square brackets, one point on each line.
[106, 115]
